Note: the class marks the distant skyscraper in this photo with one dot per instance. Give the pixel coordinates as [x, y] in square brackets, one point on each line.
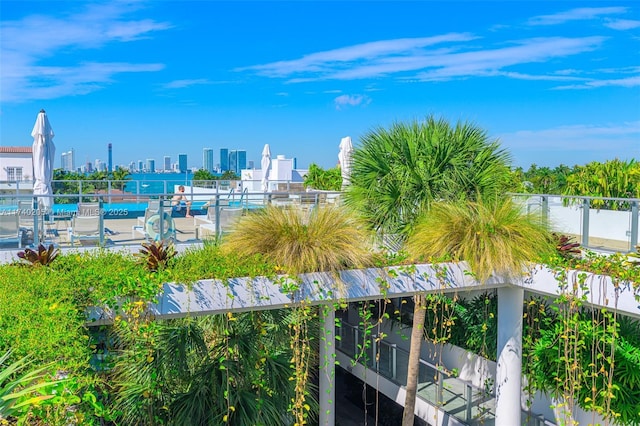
[167, 163]
[182, 163]
[68, 161]
[207, 159]
[140, 166]
[224, 159]
[99, 165]
[233, 161]
[237, 161]
[151, 165]
[250, 164]
[132, 166]
[242, 161]
[110, 159]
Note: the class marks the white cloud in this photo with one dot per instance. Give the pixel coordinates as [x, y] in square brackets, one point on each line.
[492, 62]
[594, 84]
[34, 47]
[416, 59]
[181, 84]
[328, 61]
[343, 101]
[615, 137]
[622, 24]
[579, 14]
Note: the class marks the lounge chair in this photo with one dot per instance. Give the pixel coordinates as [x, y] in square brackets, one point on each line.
[87, 224]
[10, 232]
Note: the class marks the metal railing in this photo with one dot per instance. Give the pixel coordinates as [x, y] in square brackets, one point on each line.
[437, 386]
[120, 212]
[584, 218]
[598, 223]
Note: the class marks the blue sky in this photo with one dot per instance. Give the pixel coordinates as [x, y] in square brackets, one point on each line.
[556, 82]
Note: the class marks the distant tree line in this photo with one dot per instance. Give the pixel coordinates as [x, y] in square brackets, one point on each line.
[611, 179]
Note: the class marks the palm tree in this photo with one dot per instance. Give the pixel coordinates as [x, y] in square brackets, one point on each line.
[398, 171]
[120, 175]
[494, 237]
[207, 371]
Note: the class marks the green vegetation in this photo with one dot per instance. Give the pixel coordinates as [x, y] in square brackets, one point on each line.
[324, 239]
[319, 178]
[65, 182]
[440, 186]
[203, 174]
[611, 179]
[398, 171]
[494, 238]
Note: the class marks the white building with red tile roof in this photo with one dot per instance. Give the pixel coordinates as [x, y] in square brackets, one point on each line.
[16, 168]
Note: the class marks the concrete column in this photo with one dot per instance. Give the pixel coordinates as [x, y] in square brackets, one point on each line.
[509, 368]
[327, 394]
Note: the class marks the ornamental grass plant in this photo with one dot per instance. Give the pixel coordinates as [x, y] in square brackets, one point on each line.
[493, 237]
[323, 239]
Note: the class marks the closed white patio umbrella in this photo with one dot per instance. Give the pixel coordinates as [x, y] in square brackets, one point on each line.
[265, 163]
[344, 157]
[43, 154]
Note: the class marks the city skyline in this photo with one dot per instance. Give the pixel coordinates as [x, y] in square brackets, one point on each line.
[554, 82]
[235, 160]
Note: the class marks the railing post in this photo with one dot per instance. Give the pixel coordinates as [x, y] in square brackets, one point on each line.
[101, 221]
[36, 225]
[79, 191]
[469, 396]
[374, 353]
[586, 205]
[634, 226]
[545, 209]
[161, 216]
[439, 388]
[394, 367]
[356, 337]
[217, 215]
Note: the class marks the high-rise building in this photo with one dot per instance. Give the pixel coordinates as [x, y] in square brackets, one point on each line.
[236, 162]
[224, 159]
[99, 165]
[167, 163]
[110, 158]
[242, 161]
[140, 166]
[233, 161]
[151, 165]
[207, 159]
[182, 163]
[68, 162]
[250, 164]
[132, 166]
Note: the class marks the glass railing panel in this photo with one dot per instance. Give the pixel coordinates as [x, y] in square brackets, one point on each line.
[387, 360]
[402, 363]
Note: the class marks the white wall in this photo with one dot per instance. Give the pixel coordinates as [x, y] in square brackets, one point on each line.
[607, 224]
[16, 160]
